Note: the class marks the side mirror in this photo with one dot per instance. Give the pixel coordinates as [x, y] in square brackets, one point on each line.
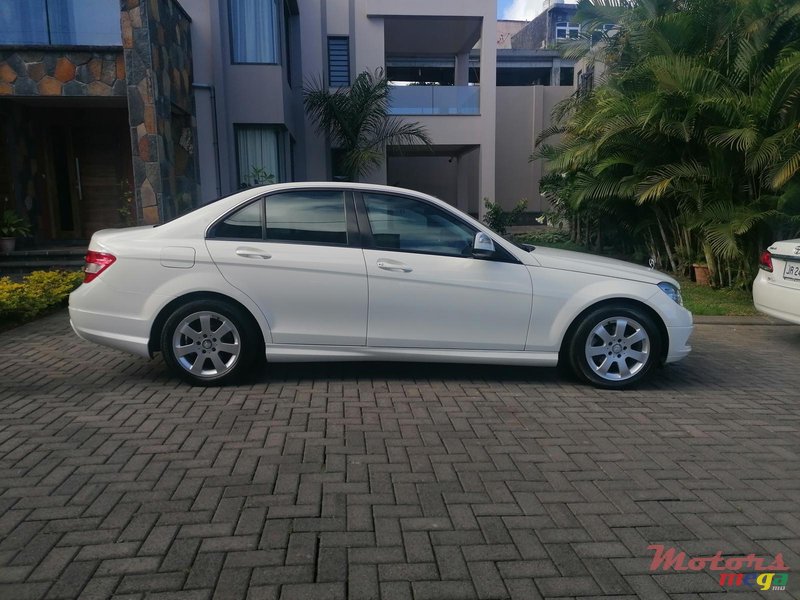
[483, 246]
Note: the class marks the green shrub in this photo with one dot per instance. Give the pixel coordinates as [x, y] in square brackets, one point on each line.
[35, 293]
[551, 238]
[499, 220]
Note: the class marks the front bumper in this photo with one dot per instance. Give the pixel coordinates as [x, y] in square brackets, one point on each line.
[679, 347]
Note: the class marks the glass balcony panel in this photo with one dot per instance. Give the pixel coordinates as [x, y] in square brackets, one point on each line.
[435, 100]
[23, 22]
[60, 22]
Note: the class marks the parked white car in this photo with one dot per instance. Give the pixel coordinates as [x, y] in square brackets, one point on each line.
[776, 290]
[337, 272]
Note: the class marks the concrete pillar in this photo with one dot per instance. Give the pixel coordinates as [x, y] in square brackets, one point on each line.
[311, 145]
[488, 116]
[462, 185]
[555, 73]
[462, 68]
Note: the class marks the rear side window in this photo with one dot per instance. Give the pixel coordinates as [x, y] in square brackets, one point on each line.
[308, 217]
[244, 224]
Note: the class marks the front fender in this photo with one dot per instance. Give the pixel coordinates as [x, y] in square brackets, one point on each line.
[561, 296]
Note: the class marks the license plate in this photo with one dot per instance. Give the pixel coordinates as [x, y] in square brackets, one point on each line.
[792, 271]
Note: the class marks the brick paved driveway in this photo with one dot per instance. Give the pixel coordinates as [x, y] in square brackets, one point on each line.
[392, 481]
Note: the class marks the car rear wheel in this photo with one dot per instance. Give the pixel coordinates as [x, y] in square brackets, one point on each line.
[209, 342]
[615, 347]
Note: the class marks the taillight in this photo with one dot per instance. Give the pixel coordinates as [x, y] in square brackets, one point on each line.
[765, 262]
[96, 263]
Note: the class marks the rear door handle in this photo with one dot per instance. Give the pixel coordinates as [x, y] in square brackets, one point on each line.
[253, 253]
[391, 265]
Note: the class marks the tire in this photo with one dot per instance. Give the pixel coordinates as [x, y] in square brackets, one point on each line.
[210, 342]
[615, 347]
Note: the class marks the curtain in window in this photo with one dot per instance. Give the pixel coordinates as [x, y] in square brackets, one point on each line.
[62, 22]
[23, 22]
[254, 31]
[259, 155]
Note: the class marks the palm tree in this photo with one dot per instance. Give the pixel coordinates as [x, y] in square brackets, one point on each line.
[358, 122]
[691, 136]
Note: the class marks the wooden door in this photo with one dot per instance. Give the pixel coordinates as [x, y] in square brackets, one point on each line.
[103, 165]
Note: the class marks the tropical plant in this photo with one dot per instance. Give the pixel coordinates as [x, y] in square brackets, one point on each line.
[126, 209]
[500, 220]
[12, 225]
[690, 138]
[358, 122]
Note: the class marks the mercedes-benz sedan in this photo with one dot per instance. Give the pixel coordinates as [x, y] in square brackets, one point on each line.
[776, 290]
[337, 272]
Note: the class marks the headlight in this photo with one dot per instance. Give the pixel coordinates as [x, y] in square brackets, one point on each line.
[672, 291]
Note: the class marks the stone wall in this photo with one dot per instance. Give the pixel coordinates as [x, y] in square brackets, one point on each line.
[157, 48]
[57, 72]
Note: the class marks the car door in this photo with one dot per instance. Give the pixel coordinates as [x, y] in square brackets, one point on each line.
[297, 255]
[426, 290]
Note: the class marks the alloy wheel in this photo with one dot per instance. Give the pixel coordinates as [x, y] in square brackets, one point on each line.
[617, 348]
[206, 344]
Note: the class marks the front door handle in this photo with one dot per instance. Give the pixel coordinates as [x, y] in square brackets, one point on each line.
[391, 265]
[253, 253]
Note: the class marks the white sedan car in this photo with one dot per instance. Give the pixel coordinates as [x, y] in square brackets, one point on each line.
[337, 272]
[776, 290]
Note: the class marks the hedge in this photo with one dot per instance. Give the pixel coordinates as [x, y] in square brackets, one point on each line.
[35, 293]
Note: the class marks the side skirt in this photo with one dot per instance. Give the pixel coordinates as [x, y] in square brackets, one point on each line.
[297, 353]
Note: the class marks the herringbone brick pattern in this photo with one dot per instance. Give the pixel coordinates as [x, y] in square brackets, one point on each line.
[390, 481]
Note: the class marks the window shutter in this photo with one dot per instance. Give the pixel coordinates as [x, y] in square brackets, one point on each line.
[339, 61]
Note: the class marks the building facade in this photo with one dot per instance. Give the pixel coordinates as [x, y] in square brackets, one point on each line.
[96, 114]
[121, 111]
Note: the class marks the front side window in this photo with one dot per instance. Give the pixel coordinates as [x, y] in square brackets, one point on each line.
[407, 225]
[255, 31]
[60, 22]
[308, 217]
[259, 155]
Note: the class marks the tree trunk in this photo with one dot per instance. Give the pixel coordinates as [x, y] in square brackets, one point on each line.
[670, 255]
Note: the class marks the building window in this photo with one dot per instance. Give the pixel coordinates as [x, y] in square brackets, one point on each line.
[255, 31]
[259, 155]
[566, 30]
[339, 61]
[567, 76]
[60, 22]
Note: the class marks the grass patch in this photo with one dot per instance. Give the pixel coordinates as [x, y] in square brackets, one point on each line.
[708, 301]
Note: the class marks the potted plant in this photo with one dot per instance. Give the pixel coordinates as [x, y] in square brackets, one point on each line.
[12, 226]
[702, 275]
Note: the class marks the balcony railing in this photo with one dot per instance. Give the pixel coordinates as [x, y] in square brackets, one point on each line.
[60, 23]
[435, 100]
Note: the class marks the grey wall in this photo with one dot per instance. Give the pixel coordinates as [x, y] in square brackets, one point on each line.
[522, 114]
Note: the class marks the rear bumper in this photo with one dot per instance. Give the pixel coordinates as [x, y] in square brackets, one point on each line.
[105, 330]
[775, 300]
[92, 322]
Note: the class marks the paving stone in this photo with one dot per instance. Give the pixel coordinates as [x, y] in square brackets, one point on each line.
[405, 481]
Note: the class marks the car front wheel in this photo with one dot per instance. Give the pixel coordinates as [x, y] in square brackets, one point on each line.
[208, 342]
[615, 347]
